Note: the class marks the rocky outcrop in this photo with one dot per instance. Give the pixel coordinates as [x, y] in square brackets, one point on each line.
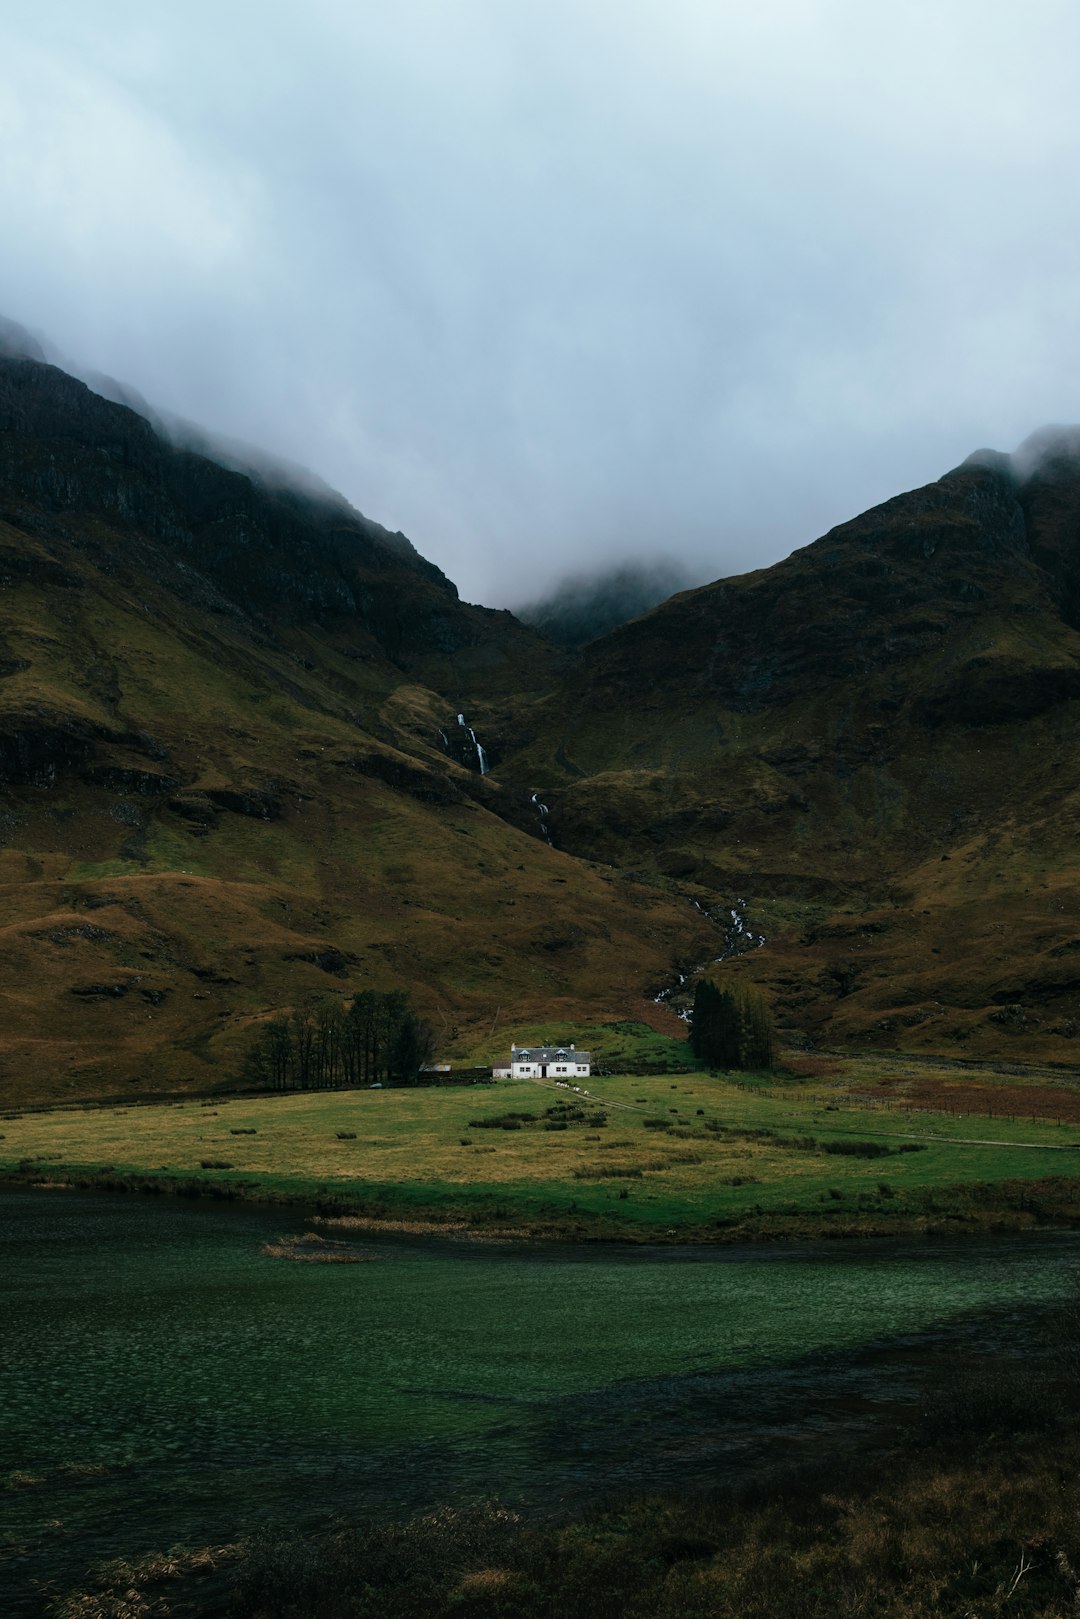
[65, 449]
[257, 803]
[34, 754]
[35, 749]
[405, 777]
[124, 779]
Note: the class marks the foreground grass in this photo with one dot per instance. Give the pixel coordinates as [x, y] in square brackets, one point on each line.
[970, 1507]
[687, 1156]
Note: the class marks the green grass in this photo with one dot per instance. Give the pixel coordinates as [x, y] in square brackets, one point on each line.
[729, 1158]
[967, 1505]
[91, 870]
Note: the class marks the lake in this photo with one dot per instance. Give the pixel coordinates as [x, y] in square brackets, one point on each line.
[162, 1381]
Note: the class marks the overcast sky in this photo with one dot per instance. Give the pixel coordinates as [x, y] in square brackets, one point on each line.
[545, 284]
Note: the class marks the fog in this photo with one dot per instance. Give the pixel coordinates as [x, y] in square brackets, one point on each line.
[550, 287]
[584, 604]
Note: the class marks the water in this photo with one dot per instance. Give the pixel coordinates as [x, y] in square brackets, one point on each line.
[543, 812]
[168, 1383]
[481, 754]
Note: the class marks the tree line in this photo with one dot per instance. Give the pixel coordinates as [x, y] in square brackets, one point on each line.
[731, 1026]
[376, 1039]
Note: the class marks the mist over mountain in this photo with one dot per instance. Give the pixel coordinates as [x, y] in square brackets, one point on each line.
[612, 273]
[273, 472]
[16, 343]
[584, 606]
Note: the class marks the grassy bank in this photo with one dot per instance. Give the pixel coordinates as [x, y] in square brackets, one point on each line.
[687, 1157]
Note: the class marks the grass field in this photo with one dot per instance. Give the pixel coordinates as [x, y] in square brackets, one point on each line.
[685, 1155]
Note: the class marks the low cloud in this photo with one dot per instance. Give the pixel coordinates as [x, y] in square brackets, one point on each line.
[584, 605]
[555, 285]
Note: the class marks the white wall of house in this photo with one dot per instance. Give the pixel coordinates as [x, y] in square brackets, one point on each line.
[555, 1070]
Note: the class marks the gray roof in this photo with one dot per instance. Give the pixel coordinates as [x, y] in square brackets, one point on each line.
[549, 1054]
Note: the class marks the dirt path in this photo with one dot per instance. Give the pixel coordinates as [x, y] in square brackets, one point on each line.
[588, 1096]
[973, 1141]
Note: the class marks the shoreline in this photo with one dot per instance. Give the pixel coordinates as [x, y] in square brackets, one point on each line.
[1002, 1207]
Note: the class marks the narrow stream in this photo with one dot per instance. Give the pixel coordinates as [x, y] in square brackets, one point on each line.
[738, 939]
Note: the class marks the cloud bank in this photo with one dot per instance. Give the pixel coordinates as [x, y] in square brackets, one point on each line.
[552, 285]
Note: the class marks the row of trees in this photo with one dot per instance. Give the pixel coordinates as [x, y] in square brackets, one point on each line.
[731, 1026]
[376, 1039]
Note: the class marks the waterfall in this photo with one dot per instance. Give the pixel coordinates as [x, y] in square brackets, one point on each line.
[542, 811]
[481, 756]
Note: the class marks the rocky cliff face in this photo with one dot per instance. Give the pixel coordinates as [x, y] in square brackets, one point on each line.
[71, 459]
[90, 491]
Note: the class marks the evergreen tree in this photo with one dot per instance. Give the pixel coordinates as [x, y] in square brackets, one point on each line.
[731, 1027]
[706, 995]
[414, 1045]
[378, 1039]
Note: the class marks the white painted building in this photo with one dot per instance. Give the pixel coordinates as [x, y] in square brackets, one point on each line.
[549, 1062]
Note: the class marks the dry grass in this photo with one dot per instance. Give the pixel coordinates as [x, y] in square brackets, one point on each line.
[311, 1249]
[944, 1092]
[181, 1580]
[984, 1527]
[196, 925]
[719, 1157]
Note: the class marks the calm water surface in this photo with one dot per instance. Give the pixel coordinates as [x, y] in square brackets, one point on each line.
[168, 1383]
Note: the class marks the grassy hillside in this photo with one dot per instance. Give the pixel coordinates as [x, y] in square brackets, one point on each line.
[874, 746]
[234, 778]
[209, 815]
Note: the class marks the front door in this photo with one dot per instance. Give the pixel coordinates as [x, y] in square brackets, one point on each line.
[543, 1070]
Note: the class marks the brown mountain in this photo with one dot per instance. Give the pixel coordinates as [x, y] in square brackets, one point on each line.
[233, 777]
[874, 745]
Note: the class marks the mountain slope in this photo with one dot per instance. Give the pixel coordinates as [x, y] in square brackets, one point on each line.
[232, 777]
[875, 744]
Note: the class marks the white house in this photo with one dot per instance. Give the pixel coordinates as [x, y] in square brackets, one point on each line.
[549, 1062]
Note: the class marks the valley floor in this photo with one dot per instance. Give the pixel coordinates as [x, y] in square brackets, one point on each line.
[846, 1147]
